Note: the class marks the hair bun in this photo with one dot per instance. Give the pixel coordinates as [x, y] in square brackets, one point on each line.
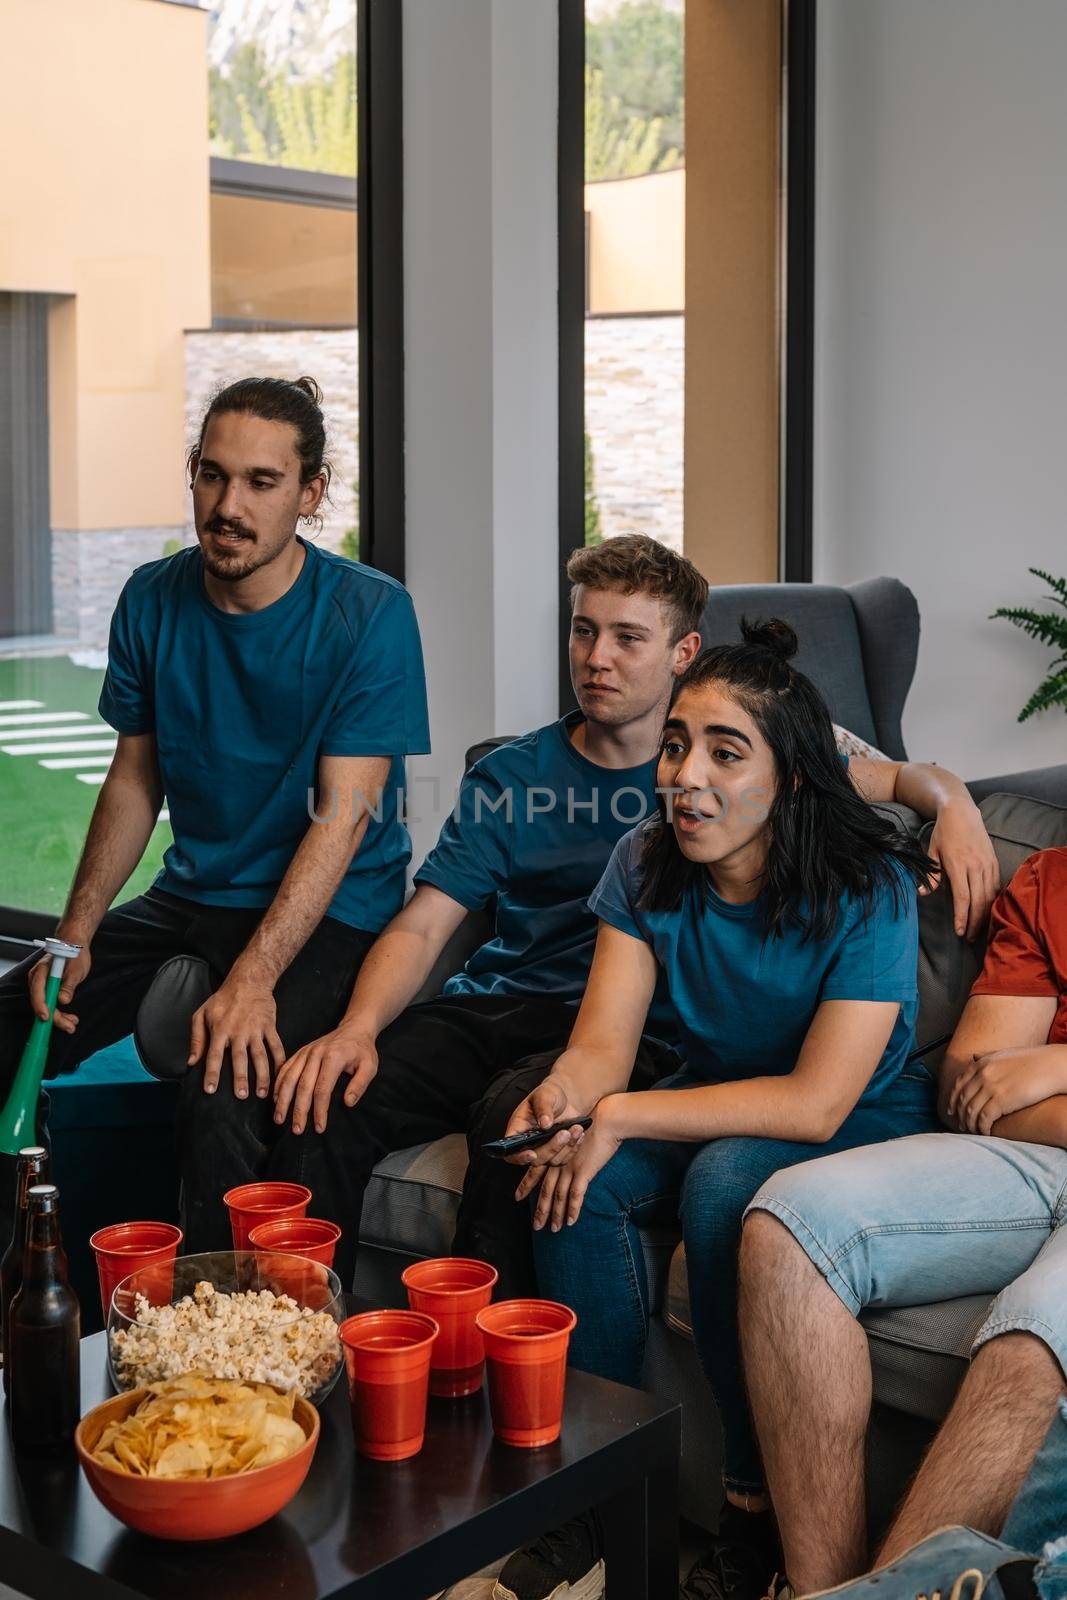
[310, 388]
[770, 634]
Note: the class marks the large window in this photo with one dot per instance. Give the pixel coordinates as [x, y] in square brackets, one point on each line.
[686, 219]
[634, 126]
[182, 225]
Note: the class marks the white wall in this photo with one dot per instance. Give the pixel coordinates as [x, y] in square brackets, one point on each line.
[941, 344]
[480, 96]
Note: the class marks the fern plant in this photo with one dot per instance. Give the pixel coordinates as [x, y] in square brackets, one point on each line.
[1051, 628]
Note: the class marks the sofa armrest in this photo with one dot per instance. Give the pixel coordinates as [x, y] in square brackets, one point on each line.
[1043, 783]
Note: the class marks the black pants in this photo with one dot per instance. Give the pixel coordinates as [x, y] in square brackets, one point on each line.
[441, 1067]
[129, 947]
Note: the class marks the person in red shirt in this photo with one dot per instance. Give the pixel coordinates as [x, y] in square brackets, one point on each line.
[981, 1210]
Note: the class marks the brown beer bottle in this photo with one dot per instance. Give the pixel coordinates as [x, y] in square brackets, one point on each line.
[31, 1166]
[45, 1399]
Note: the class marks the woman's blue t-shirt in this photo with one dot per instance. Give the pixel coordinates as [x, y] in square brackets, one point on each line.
[744, 1001]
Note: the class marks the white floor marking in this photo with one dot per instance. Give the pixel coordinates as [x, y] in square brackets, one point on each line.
[19, 705]
[49, 749]
[38, 718]
[67, 730]
[58, 763]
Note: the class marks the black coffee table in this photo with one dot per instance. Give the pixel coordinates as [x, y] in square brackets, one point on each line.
[360, 1530]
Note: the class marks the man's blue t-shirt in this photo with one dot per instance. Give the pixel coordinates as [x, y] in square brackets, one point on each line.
[744, 1002]
[244, 705]
[533, 828]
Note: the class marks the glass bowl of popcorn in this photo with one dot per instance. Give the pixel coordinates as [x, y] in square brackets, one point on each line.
[250, 1316]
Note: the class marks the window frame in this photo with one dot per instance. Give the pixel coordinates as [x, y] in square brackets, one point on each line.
[380, 266]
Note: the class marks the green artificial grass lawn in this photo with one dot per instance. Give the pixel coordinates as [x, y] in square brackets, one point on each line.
[45, 812]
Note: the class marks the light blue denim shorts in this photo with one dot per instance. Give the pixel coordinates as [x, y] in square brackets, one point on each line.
[933, 1216]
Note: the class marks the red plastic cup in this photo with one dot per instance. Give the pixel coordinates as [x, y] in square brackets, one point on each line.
[452, 1290]
[252, 1203]
[526, 1354]
[387, 1357]
[297, 1236]
[130, 1246]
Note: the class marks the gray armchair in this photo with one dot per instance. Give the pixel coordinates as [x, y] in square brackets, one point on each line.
[859, 646]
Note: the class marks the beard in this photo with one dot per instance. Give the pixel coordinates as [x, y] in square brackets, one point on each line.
[230, 566]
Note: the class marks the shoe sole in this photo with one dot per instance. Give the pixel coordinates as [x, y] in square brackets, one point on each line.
[591, 1587]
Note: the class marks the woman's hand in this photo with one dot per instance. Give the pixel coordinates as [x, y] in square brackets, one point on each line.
[551, 1102]
[563, 1187]
[995, 1085]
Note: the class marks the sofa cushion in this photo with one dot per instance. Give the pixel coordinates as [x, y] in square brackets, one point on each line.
[920, 1353]
[948, 965]
[413, 1197]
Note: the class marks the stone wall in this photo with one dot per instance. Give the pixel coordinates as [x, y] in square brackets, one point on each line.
[89, 568]
[634, 414]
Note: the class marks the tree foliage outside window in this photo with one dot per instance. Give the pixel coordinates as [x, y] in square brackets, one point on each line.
[593, 532]
[635, 91]
[269, 116]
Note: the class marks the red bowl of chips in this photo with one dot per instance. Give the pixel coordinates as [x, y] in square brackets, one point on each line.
[182, 1507]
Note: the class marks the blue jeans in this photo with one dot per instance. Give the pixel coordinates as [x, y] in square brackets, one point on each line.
[598, 1267]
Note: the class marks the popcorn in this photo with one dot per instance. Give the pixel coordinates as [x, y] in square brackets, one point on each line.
[254, 1336]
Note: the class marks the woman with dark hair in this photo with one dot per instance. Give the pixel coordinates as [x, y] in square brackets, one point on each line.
[780, 910]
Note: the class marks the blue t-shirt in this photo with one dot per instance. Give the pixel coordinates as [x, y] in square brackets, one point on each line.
[243, 705]
[744, 1002]
[533, 829]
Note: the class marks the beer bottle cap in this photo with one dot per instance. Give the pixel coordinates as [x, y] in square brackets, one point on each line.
[32, 1151]
[42, 1192]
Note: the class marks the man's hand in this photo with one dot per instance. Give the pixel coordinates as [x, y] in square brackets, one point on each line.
[306, 1081]
[549, 1103]
[563, 1188]
[962, 848]
[74, 973]
[995, 1085]
[239, 1017]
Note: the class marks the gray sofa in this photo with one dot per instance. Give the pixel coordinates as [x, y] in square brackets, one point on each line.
[860, 646]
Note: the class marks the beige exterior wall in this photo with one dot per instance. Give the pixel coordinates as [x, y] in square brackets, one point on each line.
[733, 65]
[106, 206]
[278, 262]
[637, 243]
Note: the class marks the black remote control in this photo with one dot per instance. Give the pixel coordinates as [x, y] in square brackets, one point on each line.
[532, 1140]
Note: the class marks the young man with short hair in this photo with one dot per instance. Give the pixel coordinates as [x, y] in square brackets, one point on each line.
[976, 1211]
[242, 674]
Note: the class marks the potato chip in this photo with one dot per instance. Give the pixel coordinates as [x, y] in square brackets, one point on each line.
[200, 1427]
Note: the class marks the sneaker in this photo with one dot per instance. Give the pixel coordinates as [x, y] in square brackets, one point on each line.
[564, 1564]
[780, 1589]
[732, 1570]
